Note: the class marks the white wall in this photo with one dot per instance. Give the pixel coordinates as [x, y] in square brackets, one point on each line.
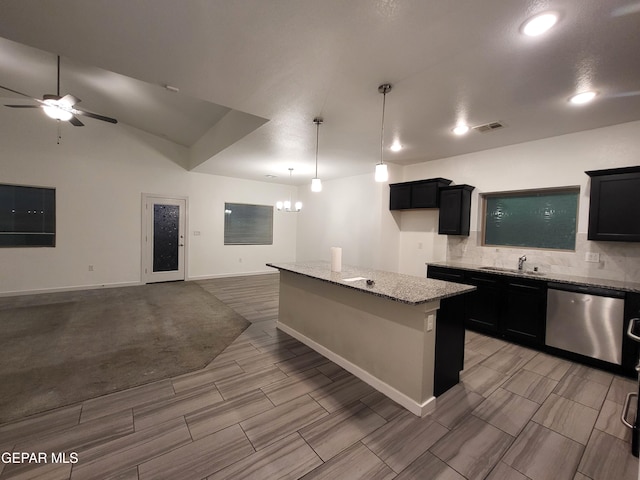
[552, 162]
[351, 213]
[100, 172]
[346, 214]
[208, 257]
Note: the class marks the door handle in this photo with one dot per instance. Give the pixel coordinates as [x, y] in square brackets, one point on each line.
[630, 333]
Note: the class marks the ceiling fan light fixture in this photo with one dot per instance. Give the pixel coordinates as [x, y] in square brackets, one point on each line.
[539, 24]
[53, 110]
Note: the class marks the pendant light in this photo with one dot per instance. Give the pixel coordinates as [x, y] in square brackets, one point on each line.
[285, 206]
[382, 174]
[316, 183]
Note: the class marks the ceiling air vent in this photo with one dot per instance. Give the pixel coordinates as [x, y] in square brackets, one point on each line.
[488, 127]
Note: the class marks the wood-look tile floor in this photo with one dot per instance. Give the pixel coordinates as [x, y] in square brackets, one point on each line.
[269, 407]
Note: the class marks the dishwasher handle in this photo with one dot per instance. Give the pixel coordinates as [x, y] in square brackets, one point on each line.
[586, 290]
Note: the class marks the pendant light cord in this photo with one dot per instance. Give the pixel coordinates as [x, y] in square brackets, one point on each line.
[384, 99]
[383, 89]
[317, 140]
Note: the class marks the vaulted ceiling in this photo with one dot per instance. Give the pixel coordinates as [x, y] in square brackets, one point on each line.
[253, 74]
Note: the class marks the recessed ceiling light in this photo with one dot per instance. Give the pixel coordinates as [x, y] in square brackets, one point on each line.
[539, 24]
[270, 176]
[583, 97]
[395, 146]
[460, 129]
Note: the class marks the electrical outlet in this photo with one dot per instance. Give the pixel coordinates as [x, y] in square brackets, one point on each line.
[593, 257]
[419, 245]
[430, 320]
[196, 233]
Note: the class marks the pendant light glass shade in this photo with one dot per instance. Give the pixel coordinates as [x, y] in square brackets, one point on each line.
[316, 183]
[382, 174]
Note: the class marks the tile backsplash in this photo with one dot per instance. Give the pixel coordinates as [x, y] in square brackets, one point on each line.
[617, 260]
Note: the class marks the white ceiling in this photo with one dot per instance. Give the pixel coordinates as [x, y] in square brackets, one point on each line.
[288, 61]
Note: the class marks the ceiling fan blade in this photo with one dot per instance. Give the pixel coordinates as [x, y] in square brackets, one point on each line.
[69, 100]
[23, 106]
[19, 93]
[75, 122]
[96, 116]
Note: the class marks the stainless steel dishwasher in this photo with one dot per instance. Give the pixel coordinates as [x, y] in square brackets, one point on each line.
[586, 320]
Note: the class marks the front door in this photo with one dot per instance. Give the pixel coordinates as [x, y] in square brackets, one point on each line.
[163, 239]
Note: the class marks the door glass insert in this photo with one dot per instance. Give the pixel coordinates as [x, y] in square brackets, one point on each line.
[165, 237]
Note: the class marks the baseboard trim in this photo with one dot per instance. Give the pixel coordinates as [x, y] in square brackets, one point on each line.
[74, 288]
[227, 275]
[414, 407]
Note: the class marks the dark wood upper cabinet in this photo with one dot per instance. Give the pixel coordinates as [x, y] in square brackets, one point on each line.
[416, 194]
[400, 196]
[614, 204]
[455, 210]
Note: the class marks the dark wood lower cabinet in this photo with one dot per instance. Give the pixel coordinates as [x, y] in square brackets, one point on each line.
[524, 314]
[449, 354]
[484, 305]
[503, 306]
[515, 308]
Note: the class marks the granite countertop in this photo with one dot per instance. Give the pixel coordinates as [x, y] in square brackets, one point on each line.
[394, 286]
[545, 276]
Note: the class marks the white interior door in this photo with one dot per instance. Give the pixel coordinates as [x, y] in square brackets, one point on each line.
[164, 238]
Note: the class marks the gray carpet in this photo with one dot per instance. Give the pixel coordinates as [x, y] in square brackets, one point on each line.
[62, 348]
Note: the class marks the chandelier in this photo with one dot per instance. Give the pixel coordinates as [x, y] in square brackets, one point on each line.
[285, 205]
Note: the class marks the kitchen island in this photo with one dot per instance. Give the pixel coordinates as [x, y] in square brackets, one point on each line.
[401, 334]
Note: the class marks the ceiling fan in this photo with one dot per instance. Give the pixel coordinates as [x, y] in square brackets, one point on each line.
[60, 108]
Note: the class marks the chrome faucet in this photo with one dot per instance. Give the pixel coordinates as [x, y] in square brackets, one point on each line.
[521, 261]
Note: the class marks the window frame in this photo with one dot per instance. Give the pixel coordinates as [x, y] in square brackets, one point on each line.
[32, 233]
[267, 234]
[575, 189]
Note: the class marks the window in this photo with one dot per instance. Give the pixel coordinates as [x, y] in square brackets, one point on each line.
[27, 216]
[544, 218]
[248, 224]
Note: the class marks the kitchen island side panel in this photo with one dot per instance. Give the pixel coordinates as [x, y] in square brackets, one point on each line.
[383, 342]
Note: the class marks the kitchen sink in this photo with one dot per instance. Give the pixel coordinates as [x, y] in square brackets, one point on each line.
[512, 270]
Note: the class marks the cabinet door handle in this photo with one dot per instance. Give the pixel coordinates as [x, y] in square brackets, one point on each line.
[625, 409]
[525, 287]
[485, 281]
